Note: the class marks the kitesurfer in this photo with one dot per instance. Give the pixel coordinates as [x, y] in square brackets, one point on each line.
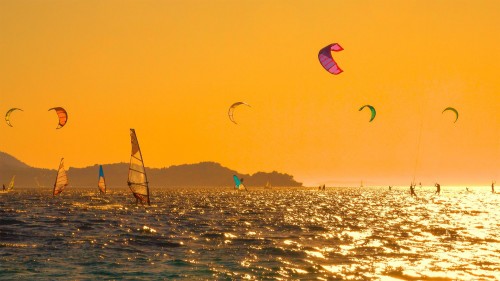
[412, 190]
[438, 189]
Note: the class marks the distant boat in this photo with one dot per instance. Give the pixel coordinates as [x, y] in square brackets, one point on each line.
[137, 179]
[101, 183]
[238, 183]
[61, 179]
[268, 185]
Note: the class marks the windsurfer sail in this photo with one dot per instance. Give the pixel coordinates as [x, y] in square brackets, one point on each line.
[137, 180]
[61, 179]
[238, 183]
[11, 184]
[101, 183]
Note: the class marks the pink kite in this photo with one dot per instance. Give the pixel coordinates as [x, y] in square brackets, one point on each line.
[326, 60]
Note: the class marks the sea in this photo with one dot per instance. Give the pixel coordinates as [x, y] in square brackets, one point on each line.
[370, 233]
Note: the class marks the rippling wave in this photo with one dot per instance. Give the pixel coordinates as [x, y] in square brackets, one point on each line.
[338, 234]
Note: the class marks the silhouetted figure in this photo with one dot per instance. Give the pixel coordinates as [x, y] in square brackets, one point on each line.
[324, 187]
[390, 187]
[467, 189]
[3, 186]
[492, 187]
[412, 190]
[319, 187]
[438, 189]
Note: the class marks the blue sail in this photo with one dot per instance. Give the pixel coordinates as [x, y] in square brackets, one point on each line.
[237, 182]
[101, 182]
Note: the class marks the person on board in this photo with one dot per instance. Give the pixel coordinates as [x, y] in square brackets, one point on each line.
[492, 187]
[412, 190]
[438, 189]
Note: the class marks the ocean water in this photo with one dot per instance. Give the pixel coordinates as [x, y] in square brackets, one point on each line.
[220, 234]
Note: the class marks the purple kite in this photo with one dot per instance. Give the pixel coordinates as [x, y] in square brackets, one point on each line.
[326, 60]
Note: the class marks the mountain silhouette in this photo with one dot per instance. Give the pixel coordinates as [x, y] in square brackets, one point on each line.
[204, 174]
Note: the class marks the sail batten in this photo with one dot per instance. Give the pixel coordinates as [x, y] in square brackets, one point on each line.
[101, 183]
[61, 179]
[137, 179]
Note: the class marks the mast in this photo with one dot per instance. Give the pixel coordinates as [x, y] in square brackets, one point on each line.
[137, 179]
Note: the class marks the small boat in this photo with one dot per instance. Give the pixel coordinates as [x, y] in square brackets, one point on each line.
[137, 179]
[61, 179]
[101, 182]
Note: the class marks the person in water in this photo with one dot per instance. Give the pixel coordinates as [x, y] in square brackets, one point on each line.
[492, 187]
[438, 189]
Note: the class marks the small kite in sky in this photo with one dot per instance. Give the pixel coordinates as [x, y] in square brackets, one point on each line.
[63, 116]
[7, 115]
[372, 109]
[454, 110]
[231, 110]
[326, 59]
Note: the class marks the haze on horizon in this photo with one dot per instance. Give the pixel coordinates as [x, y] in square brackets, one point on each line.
[171, 69]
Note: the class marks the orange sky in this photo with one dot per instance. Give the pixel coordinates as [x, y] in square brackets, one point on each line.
[170, 69]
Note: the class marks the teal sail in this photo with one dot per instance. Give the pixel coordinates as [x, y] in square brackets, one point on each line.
[238, 183]
[101, 182]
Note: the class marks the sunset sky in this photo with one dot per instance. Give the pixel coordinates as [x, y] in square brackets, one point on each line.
[170, 69]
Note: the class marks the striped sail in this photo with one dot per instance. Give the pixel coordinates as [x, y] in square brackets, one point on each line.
[11, 184]
[137, 180]
[101, 183]
[61, 179]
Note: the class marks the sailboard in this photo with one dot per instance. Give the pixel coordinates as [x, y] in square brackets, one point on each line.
[238, 184]
[101, 182]
[61, 179]
[137, 179]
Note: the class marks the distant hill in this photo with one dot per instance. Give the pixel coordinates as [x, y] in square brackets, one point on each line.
[204, 174]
